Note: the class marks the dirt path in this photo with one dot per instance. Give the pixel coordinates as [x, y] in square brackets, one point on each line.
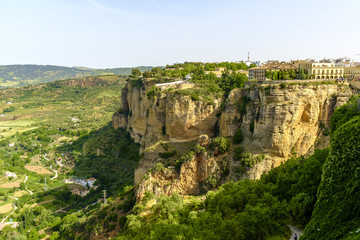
[294, 230]
[56, 173]
[26, 178]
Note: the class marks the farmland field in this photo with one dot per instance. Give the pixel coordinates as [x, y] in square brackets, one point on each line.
[5, 208]
[38, 169]
[11, 184]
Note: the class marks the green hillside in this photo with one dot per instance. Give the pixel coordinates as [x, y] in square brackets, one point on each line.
[337, 211]
[20, 75]
[67, 120]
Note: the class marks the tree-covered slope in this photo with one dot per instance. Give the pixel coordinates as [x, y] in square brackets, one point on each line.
[337, 210]
[19, 75]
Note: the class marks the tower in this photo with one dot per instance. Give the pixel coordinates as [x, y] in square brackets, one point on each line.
[105, 200]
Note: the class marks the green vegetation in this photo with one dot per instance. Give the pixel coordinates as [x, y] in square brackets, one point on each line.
[249, 160]
[105, 154]
[238, 210]
[207, 85]
[287, 75]
[167, 155]
[135, 72]
[244, 101]
[238, 136]
[69, 121]
[243, 210]
[337, 211]
[197, 70]
[345, 113]
[219, 144]
[153, 92]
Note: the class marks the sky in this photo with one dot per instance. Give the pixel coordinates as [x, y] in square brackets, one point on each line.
[119, 33]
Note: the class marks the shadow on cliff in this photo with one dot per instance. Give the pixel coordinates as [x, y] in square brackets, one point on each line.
[109, 155]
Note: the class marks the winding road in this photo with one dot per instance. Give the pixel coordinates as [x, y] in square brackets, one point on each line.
[26, 178]
[56, 173]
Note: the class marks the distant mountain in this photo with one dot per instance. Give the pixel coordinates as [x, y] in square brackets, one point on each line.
[20, 75]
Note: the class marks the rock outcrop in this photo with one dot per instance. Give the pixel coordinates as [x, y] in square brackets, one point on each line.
[279, 121]
[275, 120]
[201, 172]
[166, 116]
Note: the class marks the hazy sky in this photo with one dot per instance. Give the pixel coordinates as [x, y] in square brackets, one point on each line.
[118, 33]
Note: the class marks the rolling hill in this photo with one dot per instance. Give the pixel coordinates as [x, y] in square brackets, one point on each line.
[21, 75]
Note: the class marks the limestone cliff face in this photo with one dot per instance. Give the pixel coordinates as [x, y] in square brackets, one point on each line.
[201, 172]
[276, 122]
[167, 116]
[281, 121]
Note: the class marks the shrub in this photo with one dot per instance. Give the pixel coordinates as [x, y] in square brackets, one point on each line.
[9, 109]
[153, 92]
[148, 196]
[221, 143]
[159, 167]
[210, 180]
[195, 97]
[199, 149]
[242, 105]
[188, 157]
[238, 137]
[283, 85]
[326, 132]
[136, 82]
[167, 155]
[178, 164]
[238, 152]
[267, 90]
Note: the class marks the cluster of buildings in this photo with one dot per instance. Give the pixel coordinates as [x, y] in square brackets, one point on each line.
[326, 69]
[87, 183]
[84, 182]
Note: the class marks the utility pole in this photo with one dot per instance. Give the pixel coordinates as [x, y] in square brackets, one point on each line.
[105, 200]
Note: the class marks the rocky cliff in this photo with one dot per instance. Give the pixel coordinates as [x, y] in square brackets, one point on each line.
[275, 120]
[281, 121]
[167, 116]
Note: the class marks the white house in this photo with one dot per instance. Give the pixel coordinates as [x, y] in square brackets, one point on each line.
[10, 174]
[91, 182]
